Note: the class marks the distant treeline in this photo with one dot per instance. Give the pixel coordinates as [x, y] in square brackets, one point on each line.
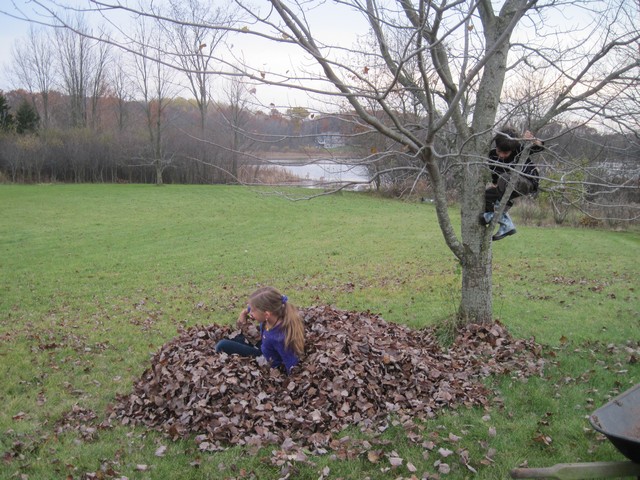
[168, 142]
[135, 142]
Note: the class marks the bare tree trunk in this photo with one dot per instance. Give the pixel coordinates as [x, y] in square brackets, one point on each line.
[194, 45]
[74, 61]
[158, 152]
[158, 166]
[34, 67]
[476, 300]
[97, 81]
[476, 293]
[154, 83]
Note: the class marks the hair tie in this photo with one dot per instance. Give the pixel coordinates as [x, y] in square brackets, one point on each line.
[284, 299]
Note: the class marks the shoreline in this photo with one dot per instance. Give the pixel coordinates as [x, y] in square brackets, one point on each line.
[303, 156]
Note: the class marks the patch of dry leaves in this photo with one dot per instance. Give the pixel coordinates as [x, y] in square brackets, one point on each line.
[358, 370]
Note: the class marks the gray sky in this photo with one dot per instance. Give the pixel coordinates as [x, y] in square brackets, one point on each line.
[334, 25]
[10, 30]
[326, 23]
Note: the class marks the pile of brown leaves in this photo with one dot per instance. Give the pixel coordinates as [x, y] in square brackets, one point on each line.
[358, 369]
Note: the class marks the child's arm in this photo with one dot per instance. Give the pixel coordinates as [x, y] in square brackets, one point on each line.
[248, 326]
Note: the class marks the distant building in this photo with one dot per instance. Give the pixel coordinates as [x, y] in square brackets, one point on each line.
[331, 140]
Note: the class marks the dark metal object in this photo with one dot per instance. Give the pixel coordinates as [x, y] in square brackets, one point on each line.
[619, 421]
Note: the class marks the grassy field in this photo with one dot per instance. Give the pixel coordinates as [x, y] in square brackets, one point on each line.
[94, 279]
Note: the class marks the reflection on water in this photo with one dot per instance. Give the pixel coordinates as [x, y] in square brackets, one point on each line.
[328, 172]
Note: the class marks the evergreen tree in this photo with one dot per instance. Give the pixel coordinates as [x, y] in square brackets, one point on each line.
[27, 118]
[6, 119]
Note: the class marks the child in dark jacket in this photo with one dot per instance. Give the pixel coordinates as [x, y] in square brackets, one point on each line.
[281, 330]
[503, 160]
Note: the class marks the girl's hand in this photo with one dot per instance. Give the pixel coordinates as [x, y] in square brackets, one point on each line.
[244, 315]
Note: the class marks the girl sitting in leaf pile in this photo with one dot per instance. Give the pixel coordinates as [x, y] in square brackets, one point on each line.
[281, 330]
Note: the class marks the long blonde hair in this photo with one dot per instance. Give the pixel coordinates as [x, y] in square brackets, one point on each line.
[269, 299]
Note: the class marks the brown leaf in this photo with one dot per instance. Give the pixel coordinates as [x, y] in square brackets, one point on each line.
[542, 438]
[444, 452]
[454, 438]
[373, 456]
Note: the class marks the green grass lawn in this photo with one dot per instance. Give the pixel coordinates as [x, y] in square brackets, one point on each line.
[95, 278]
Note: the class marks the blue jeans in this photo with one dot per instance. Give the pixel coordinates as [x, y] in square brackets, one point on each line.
[239, 346]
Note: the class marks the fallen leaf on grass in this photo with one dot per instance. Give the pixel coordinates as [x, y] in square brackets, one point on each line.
[464, 459]
[444, 452]
[542, 438]
[395, 461]
[454, 438]
[374, 456]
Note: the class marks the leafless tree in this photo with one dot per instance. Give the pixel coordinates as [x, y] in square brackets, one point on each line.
[121, 88]
[73, 60]
[82, 59]
[154, 82]
[194, 42]
[452, 61]
[236, 117]
[444, 68]
[99, 62]
[33, 67]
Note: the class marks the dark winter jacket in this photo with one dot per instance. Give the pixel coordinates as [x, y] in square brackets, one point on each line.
[499, 167]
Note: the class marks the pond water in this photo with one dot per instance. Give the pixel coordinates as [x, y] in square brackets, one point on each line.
[326, 171]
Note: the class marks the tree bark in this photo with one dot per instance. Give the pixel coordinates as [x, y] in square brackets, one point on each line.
[476, 294]
[476, 304]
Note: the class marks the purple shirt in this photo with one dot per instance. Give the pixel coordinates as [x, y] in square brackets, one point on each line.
[274, 350]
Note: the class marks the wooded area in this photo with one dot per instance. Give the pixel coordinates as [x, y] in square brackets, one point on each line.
[114, 146]
[87, 112]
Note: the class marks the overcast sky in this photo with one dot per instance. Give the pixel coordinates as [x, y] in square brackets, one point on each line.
[331, 23]
[10, 30]
[326, 25]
